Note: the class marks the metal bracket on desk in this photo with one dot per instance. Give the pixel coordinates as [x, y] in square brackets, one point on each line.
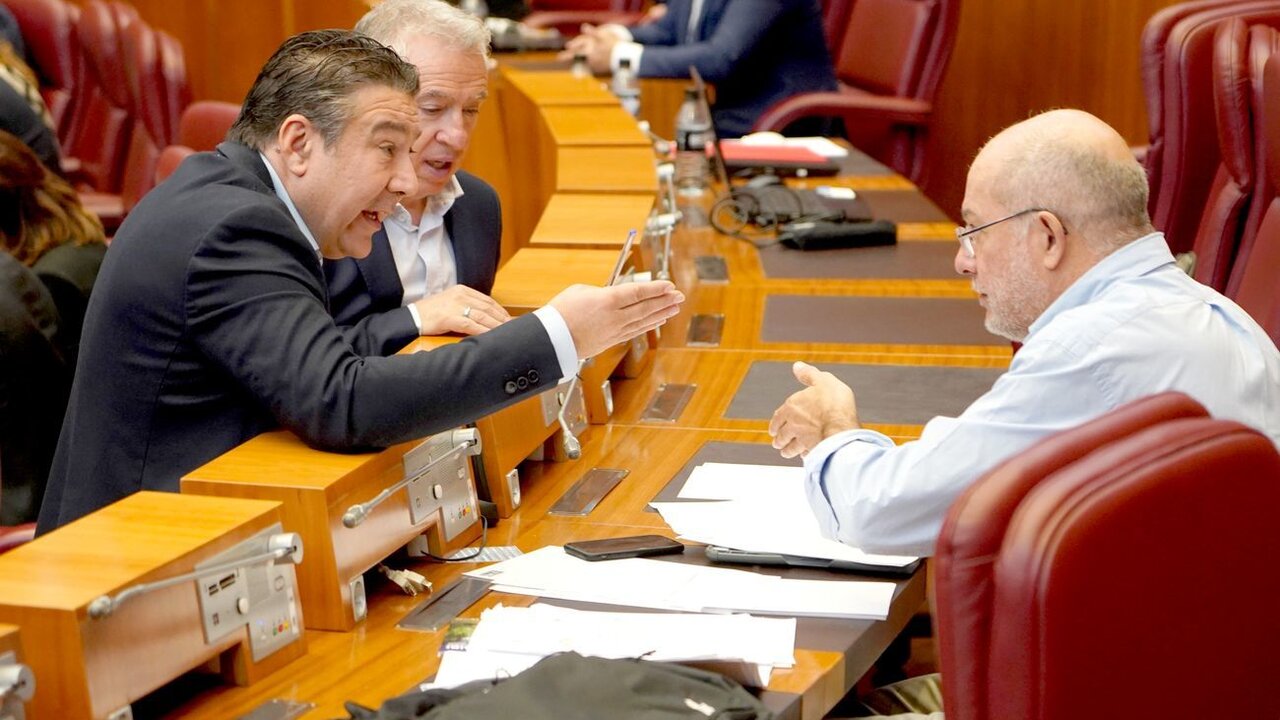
[442, 607]
[668, 403]
[711, 268]
[705, 330]
[585, 494]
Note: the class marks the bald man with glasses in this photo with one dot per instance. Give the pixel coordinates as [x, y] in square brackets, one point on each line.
[1058, 246]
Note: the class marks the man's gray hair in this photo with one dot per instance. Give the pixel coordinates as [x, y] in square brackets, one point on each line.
[1102, 196]
[394, 21]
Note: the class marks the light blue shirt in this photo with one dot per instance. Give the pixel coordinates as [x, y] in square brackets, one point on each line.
[1132, 326]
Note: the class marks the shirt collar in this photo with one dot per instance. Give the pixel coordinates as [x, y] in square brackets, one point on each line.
[437, 205]
[1133, 260]
[293, 210]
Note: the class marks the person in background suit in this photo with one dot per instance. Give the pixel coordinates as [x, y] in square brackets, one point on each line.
[210, 324]
[755, 52]
[437, 254]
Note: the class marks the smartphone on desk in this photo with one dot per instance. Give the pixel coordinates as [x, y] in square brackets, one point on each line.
[623, 547]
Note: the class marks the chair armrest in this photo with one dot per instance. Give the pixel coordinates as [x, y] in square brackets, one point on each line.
[11, 536]
[862, 108]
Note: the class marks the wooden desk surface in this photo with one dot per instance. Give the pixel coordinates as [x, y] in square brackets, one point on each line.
[590, 221]
[592, 125]
[534, 275]
[621, 169]
[560, 88]
[377, 660]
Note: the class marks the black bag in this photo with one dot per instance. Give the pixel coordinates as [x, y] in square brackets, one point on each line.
[571, 687]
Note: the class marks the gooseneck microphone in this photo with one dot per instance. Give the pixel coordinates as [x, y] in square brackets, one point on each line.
[568, 441]
[286, 547]
[463, 439]
[661, 145]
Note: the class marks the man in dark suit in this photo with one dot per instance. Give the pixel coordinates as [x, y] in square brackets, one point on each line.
[437, 254]
[209, 321]
[756, 52]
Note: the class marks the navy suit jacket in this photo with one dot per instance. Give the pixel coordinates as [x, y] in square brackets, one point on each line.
[365, 295]
[756, 52]
[209, 324]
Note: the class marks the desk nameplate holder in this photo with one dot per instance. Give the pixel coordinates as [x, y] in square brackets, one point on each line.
[145, 632]
[585, 494]
[705, 330]
[711, 268]
[441, 608]
[668, 402]
[352, 510]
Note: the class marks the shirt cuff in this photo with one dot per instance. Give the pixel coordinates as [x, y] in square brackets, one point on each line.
[818, 487]
[561, 339]
[626, 50]
[619, 31]
[413, 313]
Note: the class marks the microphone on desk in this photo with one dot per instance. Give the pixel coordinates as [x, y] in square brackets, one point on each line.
[569, 442]
[464, 439]
[281, 547]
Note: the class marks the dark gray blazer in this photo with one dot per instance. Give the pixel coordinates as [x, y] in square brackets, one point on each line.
[209, 324]
[365, 295]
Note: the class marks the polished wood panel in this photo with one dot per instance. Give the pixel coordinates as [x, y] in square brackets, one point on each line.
[88, 668]
[315, 488]
[535, 275]
[590, 221]
[1015, 59]
[606, 169]
[576, 126]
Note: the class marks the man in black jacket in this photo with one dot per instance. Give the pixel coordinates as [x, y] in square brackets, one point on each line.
[209, 321]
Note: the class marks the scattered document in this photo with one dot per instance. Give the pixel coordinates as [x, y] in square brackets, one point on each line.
[750, 646]
[751, 498]
[820, 145]
[641, 582]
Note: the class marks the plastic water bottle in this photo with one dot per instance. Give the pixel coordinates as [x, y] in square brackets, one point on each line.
[580, 69]
[693, 131]
[626, 87]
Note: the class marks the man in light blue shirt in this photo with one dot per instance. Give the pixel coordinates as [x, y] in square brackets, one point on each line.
[1060, 249]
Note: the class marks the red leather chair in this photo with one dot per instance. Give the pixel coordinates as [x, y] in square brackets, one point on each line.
[1181, 162]
[169, 160]
[567, 16]
[1239, 56]
[1253, 274]
[835, 21]
[974, 531]
[205, 123]
[103, 105]
[889, 67]
[48, 28]
[157, 82]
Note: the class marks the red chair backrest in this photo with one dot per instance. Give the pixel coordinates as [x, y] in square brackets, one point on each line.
[48, 29]
[898, 47]
[1253, 274]
[157, 83]
[976, 525]
[835, 23]
[1239, 55]
[1187, 164]
[1155, 36]
[104, 122]
[205, 123]
[170, 158]
[1139, 582]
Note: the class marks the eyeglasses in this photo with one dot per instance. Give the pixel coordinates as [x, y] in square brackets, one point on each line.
[965, 234]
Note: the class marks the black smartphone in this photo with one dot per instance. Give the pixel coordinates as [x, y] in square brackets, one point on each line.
[623, 547]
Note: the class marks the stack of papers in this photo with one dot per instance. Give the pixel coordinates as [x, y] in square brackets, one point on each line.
[512, 638]
[641, 582]
[760, 508]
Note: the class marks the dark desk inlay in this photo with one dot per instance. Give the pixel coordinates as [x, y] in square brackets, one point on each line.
[914, 259]
[892, 394]
[890, 320]
[902, 206]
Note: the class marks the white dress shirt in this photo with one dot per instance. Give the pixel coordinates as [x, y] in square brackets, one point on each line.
[1133, 325]
[551, 319]
[424, 252]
